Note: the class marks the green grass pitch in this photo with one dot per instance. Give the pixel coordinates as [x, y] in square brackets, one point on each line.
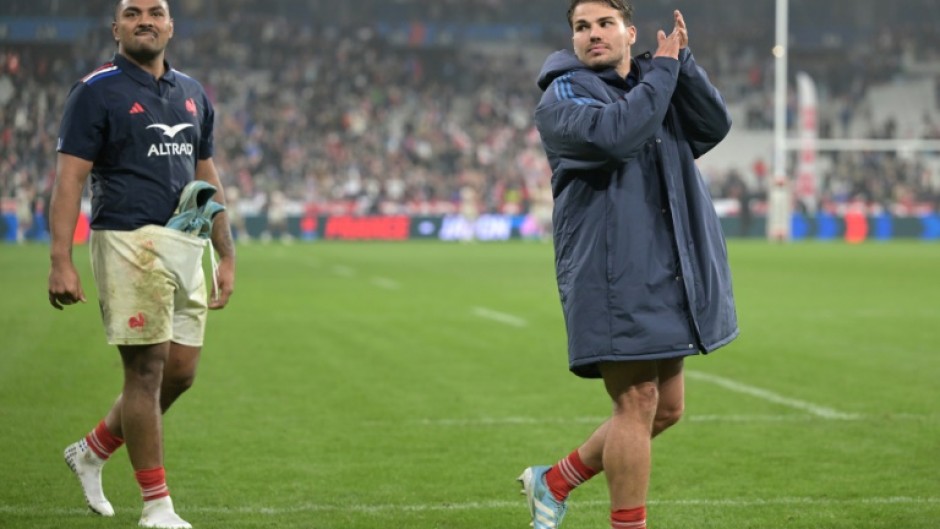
[354, 386]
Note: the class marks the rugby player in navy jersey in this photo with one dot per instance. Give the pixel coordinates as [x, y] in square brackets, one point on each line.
[143, 131]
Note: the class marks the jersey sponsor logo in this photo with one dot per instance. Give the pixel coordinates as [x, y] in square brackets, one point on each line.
[170, 131]
[136, 108]
[170, 148]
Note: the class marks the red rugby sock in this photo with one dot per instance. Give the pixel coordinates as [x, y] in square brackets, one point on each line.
[102, 442]
[628, 518]
[566, 475]
[152, 483]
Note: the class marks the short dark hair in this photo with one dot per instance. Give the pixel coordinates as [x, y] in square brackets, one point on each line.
[117, 4]
[625, 8]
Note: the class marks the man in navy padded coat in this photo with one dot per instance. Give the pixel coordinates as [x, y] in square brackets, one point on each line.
[640, 258]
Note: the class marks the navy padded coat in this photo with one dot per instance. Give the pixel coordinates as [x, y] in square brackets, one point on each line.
[640, 257]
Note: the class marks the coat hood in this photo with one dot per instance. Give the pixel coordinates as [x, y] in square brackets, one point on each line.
[556, 65]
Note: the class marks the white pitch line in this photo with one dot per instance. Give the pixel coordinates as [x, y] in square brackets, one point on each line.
[343, 271]
[727, 383]
[526, 421]
[688, 417]
[386, 283]
[31, 511]
[509, 421]
[500, 317]
[872, 313]
[743, 418]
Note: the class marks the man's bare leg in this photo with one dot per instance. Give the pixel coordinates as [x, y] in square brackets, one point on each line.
[140, 415]
[669, 410]
[627, 454]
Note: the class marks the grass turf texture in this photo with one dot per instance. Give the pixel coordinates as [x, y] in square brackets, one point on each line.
[407, 385]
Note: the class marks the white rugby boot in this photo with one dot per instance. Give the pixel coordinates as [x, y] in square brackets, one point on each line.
[86, 465]
[159, 514]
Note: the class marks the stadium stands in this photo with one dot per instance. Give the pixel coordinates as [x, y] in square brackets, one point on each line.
[380, 109]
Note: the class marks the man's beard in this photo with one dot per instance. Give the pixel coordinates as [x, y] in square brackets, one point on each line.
[602, 64]
[605, 64]
[143, 55]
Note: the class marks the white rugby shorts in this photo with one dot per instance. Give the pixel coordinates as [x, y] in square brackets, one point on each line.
[151, 285]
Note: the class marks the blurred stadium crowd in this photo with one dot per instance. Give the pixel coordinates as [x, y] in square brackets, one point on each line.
[424, 107]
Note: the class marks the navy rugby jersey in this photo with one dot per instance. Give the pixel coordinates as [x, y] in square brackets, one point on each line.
[144, 137]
